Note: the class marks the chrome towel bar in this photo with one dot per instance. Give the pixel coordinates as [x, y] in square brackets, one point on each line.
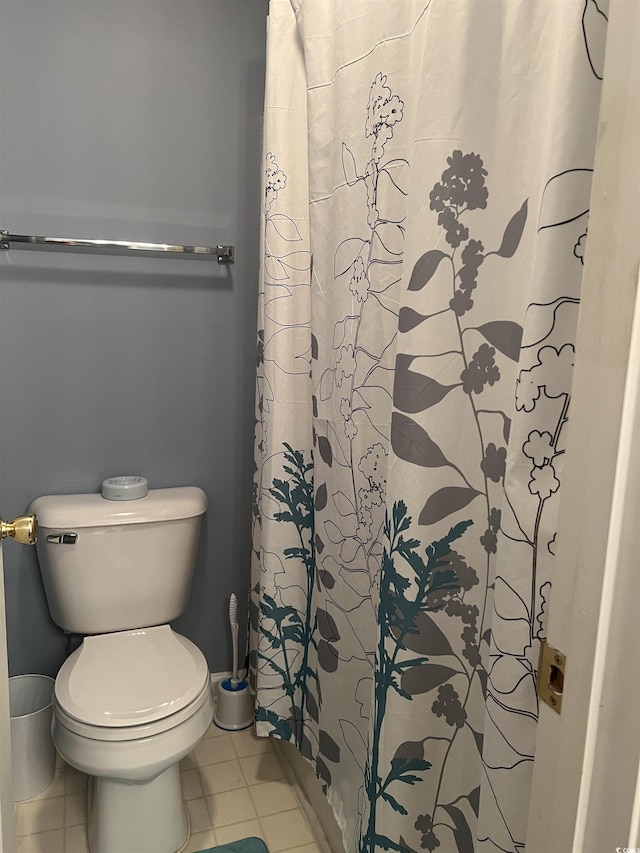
[223, 254]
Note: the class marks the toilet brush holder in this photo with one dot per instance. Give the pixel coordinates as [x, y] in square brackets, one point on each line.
[234, 705]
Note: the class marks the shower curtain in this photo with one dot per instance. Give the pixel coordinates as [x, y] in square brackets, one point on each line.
[427, 170]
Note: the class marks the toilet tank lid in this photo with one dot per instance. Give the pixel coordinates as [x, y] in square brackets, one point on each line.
[92, 510]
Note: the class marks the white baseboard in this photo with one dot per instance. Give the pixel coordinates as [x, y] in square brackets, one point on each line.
[312, 801]
[307, 789]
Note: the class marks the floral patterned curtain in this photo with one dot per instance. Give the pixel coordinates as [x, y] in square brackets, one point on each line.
[426, 195]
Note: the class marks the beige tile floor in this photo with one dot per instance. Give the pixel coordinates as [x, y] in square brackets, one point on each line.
[233, 785]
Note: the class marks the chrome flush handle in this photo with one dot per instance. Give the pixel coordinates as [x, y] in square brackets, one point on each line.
[62, 538]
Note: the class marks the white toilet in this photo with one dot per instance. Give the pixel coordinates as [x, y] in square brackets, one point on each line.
[135, 697]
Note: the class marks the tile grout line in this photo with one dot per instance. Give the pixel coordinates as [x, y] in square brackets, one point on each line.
[261, 747]
[64, 811]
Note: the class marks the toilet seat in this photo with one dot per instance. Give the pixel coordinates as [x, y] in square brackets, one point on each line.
[131, 683]
[129, 733]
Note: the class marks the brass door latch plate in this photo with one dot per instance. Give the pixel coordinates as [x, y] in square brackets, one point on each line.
[551, 670]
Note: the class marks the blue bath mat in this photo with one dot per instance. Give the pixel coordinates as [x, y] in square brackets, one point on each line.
[248, 845]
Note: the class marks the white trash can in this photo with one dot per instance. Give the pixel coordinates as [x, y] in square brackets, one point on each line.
[33, 754]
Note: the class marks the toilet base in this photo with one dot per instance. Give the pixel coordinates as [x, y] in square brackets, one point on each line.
[130, 818]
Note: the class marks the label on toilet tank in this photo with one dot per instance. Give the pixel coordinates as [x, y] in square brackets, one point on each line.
[128, 488]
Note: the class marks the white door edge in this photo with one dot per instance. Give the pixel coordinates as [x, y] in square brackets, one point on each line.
[586, 775]
[7, 823]
[610, 607]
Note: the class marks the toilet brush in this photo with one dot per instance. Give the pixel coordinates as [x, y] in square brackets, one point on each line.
[234, 707]
[233, 621]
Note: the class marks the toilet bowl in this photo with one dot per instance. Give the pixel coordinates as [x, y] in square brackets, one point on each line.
[127, 708]
[131, 701]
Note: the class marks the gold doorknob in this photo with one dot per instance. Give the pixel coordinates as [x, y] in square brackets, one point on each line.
[23, 529]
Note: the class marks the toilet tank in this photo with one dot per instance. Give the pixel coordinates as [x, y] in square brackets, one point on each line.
[115, 565]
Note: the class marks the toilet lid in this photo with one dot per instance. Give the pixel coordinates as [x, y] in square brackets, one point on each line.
[131, 677]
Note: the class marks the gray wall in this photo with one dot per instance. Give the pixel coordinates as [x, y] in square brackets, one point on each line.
[129, 119]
